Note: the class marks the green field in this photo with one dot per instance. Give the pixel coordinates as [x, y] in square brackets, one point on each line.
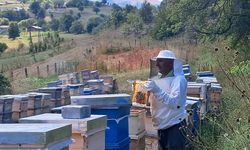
[24, 38]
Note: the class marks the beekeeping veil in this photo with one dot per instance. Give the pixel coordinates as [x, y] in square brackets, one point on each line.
[167, 54]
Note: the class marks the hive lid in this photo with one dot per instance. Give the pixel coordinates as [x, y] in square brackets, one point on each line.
[4, 98]
[102, 100]
[33, 134]
[190, 104]
[85, 126]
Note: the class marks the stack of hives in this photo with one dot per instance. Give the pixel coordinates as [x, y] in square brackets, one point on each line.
[55, 93]
[214, 90]
[94, 74]
[70, 78]
[214, 96]
[6, 109]
[96, 84]
[19, 107]
[56, 83]
[35, 136]
[192, 107]
[59, 95]
[197, 92]
[34, 104]
[74, 89]
[88, 130]
[65, 99]
[137, 130]
[85, 75]
[109, 84]
[117, 109]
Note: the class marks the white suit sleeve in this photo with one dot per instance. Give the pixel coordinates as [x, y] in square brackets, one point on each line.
[177, 92]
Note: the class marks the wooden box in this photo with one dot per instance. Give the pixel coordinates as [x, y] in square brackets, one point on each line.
[37, 136]
[88, 133]
[35, 100]
[138, 142]
[137, 121]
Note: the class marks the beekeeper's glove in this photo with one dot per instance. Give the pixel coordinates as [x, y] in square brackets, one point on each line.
[152, 87]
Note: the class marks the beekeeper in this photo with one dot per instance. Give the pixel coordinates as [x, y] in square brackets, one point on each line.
[168, 100]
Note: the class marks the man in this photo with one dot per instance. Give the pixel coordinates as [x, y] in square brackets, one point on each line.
[168, 100]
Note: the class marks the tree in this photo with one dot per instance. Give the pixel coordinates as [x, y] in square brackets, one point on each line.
[96, 9]
[54, 24]
[129, 8]
[3, 47]
[116, 7]
[14, 15]
[35, 7]
[5, 86]
[13, 30]
[98, 4]
[76, 27]
[92, 23]
[117, 18]
[209, 19]
[134, 25]
[80, 8]
[66, 22]
[104, 2]
[58, 3]
[26, 23]
[146, 12]
[41, 13]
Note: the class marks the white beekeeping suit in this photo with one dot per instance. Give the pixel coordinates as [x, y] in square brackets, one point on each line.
[168, 95]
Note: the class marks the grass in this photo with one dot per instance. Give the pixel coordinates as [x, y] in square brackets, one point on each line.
[25, 85]
[23, 39]
[85, 14]
[122, 79]
[12, 6]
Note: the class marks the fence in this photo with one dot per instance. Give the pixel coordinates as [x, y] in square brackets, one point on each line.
[134, 59]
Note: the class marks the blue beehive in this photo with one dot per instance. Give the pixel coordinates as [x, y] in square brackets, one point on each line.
[117, 109]
[55, 83]
[193, 107]
[186, 69]
[205, 74]
[87, 91]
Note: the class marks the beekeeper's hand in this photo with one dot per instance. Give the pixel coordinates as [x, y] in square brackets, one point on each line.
[152, 87]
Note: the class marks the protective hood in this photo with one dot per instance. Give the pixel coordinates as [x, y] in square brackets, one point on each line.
[167, 54]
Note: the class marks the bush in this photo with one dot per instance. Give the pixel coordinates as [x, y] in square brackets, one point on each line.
[92, 23]
[13, 30]
[76, 27]
[112, 50]
[5, 86]
[3, 47]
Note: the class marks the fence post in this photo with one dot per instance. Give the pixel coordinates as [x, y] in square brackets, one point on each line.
[62, 67]
[141, 63]
[47, 70]
[119, 66]
[135, 42]
[38, 71]
[12, 75]
[26, 72]
[55, 68]
[75, 66]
